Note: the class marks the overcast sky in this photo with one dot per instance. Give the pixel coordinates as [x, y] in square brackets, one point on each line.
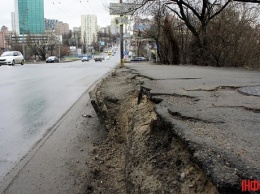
[67, 11]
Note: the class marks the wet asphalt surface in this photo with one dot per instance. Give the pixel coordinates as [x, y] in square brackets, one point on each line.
[219, 123]
[34, 97]
[215, 111]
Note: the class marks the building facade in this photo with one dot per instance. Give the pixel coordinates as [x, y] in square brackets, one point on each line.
[62, 28]
[5, 38]
[13, 22]
[114, 28]
[88, 29]
[29, 16]
[50, 24]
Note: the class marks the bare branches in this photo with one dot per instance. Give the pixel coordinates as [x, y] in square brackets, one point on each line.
[248, 1]
[220, 10]
[208, 34]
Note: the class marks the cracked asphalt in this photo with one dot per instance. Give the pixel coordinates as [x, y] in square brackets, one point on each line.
[215, 111]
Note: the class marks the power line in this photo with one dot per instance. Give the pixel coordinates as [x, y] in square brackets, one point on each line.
[58, 4]
[86, 6]
[5, 20]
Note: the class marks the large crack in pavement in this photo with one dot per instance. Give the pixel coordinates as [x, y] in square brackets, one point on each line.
[141, 153]
[183, 141]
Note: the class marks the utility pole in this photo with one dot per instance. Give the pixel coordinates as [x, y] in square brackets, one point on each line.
[24, 54]
[121, 41]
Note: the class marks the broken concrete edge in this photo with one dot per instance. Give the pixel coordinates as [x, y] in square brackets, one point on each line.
[222, 177]
[98, 104]
[227, 179]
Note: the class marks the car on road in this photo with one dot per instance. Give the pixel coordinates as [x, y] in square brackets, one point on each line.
[11, 58]
[139, 59]
[98, 58]
[52, 59]
[84, 59]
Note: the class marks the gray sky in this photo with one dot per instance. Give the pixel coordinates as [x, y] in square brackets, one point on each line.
[67, 11]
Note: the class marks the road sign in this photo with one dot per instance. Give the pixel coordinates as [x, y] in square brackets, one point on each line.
[121, 20]
[122, 8]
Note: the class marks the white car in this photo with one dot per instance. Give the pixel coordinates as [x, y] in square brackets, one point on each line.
[11, 58]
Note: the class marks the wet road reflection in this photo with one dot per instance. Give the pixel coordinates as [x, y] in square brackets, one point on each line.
[34, 97]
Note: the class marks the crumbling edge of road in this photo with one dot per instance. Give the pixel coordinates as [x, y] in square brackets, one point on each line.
[223, 186]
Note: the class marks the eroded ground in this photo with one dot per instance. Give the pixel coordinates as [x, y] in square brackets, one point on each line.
[140, 153]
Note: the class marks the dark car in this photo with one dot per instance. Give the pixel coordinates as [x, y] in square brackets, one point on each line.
[99, 58]
[52, 59]
[139, 59]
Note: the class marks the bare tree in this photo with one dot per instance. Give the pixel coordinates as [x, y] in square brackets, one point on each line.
[218, 37]
[16, 43]
[84, 42]
[169, 48]
[41, 46]
[248, 1]
[64, 50]
[67, 39]
[196, 15]
[234, 37]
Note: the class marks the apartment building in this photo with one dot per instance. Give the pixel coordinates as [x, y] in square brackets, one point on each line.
[62, 28]
[89, 29]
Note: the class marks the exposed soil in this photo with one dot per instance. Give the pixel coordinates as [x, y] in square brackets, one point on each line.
[140, 154]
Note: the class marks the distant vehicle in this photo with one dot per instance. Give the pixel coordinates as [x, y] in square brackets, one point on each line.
[139, 59]
[98, 58]
[52, 59]
[11, 58]
[107, 58]
[109, 53]
[102, 57]
[84, 59]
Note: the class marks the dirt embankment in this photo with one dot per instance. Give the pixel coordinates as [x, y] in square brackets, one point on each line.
[140, 154]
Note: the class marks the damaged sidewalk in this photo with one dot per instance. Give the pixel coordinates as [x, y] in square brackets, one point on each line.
[176, 129]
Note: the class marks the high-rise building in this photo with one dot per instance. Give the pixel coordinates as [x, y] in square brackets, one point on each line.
[88, 29]
[29, 16]
[13, 22]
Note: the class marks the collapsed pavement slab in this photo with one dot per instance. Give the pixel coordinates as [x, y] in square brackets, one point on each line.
[204, 109]
[219, 124]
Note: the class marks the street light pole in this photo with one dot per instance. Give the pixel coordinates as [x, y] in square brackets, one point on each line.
[23, 46]
[121, 41]
[26, 12]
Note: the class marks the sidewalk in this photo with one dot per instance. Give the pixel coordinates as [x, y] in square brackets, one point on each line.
[219, 124]
[213, 111]
[59, 163]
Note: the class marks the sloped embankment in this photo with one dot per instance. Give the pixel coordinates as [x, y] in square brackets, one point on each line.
[140, 153]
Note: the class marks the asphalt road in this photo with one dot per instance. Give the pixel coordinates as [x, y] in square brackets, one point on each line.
[207, 109]
[36, 96]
